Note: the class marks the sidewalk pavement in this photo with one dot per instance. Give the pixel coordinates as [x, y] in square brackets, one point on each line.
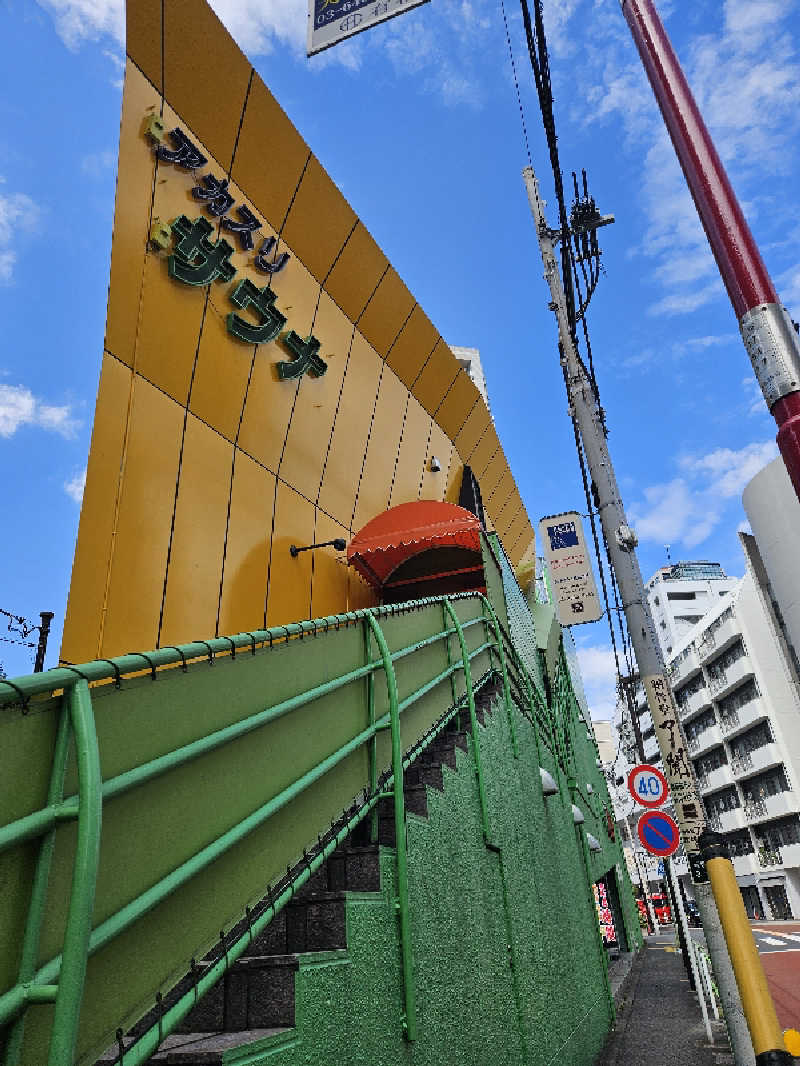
[658, 1016]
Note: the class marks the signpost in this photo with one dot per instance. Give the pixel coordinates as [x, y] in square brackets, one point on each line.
[658, 833]
[647, 785]
[571, 576]
[331, 21]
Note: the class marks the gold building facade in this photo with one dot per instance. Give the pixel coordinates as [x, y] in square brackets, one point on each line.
[206, 464]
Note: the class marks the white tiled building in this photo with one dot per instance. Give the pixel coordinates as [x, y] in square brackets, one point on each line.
[739, 704]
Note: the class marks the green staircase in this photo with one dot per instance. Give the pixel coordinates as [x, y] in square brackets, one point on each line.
[190, 838]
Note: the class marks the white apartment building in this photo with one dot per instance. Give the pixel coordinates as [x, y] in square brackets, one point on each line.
[680, 594]
[739, 704]
[774, 512]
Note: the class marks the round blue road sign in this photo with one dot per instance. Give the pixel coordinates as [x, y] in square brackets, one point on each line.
[658, 833]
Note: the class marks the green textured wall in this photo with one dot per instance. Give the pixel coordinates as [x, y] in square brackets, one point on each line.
[507, 958]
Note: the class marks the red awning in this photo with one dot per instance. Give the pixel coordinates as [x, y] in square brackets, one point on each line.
[409, 529]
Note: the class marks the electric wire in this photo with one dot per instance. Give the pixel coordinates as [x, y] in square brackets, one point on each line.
[516, 85]
[586, 247]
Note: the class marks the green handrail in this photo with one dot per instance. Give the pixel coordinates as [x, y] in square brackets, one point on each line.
[80, 941]
[473, 720]
[84, 880]
[409, 988]
[506, 690]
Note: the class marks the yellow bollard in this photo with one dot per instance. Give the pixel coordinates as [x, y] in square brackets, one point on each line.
[759, 1010]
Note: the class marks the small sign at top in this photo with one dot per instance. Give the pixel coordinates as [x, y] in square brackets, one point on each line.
[647, 785]
[332, 21]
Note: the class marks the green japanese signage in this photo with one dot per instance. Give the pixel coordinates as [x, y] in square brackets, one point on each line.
[197, 259]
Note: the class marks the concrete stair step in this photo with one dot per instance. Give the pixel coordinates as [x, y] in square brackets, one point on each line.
[207, 1049]
[256, 993]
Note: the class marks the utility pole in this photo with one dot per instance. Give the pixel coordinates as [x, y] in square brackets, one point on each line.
[772, 342]
[678, 768]
[46, 618]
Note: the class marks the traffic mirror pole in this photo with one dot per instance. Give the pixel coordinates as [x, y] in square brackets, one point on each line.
[771, 341]
[584, 408]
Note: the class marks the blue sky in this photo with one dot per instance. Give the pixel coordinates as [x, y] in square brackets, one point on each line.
[418, 123]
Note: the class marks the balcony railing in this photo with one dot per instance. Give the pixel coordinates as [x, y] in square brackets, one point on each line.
[707, 642]
[741, 762]
[729, 721]
[714, 822]
[755, 809]
[769, 857]
[716, 681]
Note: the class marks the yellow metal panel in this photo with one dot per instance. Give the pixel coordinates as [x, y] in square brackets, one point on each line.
[356, 273]
[81, 640]
[244, 585]
[270, 155]
[131, 215]
[523, 556]
[457, 404]
[480, 457]
[198, 539]
[375, 486]
[220, 379]
[503, 516]
[269, 400]
[141, 541]
[337, 493]
[502, 490]
[512, 527]
[329, 578]
[411, 457]
[319, 220]
[205, 75]
[289, 596]
[317, 399]
[359, 593]
[475, 426]
[171, 311]
[223, 361]
[144, 36]
[454, 477]
[493, 473]
[412, 348]
[434, 485]
[436, 377]
[386, 312]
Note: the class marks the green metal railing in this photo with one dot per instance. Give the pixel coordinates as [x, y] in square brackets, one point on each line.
[60, 980]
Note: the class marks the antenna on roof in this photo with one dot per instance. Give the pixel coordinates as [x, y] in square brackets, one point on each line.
[666, 549]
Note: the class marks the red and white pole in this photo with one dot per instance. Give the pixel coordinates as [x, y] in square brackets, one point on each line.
[769, 337]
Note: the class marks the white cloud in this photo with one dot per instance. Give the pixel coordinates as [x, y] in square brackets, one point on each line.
[75, 486]
[77, 21]
[19, 407]
[18, 213]
[749, 95]
[753, 397]
[95, 164]
[688, 508]
[599, 673]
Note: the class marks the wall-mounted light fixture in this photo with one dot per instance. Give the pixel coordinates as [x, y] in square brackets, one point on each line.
[338, 543]
[549, 787]
[593, 842]
[435, 466]
[577, 815]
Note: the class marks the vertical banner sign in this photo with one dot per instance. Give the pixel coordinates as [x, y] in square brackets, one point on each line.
[571, 573]
[677, 764]
[331, 21]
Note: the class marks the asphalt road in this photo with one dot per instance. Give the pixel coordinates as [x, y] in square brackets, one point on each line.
[779, 947]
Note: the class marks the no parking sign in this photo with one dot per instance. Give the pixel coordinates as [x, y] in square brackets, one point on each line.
[647, 785]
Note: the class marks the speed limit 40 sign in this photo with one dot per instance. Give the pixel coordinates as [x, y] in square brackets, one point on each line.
[647, 785]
